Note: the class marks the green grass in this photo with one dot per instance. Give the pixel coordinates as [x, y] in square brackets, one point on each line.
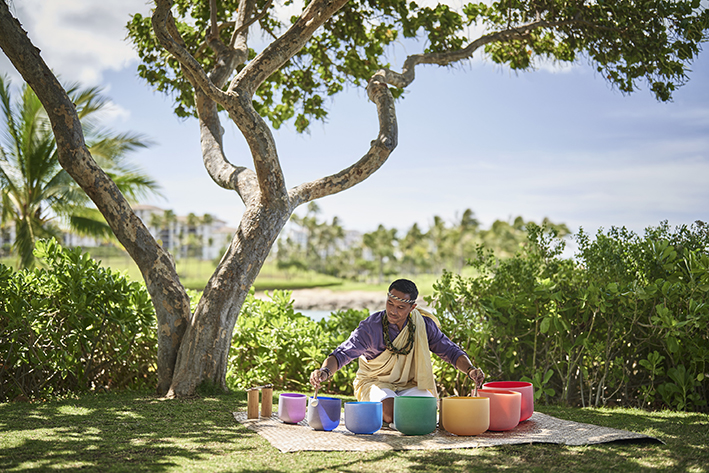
[131, 431]
[195, 273]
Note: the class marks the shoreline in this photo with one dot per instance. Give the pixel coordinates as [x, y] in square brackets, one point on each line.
[327, 299]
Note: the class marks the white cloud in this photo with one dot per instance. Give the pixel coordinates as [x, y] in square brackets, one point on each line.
[80, 39]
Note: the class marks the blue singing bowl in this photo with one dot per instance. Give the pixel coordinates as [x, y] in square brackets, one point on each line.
[363, 417]
[325, 414]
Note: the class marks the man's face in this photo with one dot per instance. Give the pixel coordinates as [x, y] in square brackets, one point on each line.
[397, 311]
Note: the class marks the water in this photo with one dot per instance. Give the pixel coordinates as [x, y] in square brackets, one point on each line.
[316, 314]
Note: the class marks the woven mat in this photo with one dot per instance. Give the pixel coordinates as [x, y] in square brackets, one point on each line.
[540, 428]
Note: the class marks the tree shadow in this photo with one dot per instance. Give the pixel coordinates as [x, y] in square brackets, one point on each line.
[101, 431]
[140, 432]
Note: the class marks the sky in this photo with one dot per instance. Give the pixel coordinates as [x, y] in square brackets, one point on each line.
[556, 142]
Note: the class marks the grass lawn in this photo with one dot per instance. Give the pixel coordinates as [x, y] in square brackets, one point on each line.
[195, 273]
[131, 431]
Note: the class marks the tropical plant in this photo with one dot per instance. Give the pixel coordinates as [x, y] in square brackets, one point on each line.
[624, 322]
[38, 197]
[74, 326]
[203, 53]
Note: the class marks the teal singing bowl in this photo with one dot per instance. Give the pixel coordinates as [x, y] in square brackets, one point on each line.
[415, 415]
[363, 417]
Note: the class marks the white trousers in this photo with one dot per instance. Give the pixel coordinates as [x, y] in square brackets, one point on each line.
[379, 394]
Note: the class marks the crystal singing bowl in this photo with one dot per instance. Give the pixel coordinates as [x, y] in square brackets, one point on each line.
[415, 415]
[291, 407]
[325, 415]
[526, 389]
[363, 417]
[505, 408]
[465, 415]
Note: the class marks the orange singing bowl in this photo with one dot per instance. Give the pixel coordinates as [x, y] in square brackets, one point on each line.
[465, 415]
[526, 389]
[505, 408]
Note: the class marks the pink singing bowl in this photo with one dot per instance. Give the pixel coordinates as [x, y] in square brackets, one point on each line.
[526, 389]
[505, 408]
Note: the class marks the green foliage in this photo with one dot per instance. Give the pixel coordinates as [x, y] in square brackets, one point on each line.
[624, 322]
[628, 41]
[74, 326]
[273, 344]
[337, 329]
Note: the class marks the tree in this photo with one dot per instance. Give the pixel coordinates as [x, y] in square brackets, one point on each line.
[199, 52]
[37, 195]
[381, 242]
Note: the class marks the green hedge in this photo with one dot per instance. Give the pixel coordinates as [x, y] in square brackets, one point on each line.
[274, 344]
[73, 327]
[623, 323]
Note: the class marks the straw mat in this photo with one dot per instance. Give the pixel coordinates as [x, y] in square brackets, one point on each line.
[540, 428]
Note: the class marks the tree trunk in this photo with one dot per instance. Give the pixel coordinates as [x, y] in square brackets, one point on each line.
[204, 352]
[169, 298]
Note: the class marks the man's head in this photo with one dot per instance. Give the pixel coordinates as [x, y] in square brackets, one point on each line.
[407, 287]
[401, 300]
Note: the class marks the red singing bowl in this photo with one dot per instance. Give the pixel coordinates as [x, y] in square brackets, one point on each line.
[526, 389]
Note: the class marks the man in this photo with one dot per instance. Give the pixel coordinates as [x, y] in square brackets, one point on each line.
[393, 347]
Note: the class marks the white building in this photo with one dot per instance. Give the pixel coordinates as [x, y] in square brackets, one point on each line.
[183, 235]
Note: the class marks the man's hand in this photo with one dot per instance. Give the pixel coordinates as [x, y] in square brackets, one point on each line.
[317, 377]
[477, 376]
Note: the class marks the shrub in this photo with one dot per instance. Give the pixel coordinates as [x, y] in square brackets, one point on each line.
[74, 326]
[274, 344]
[625, 322]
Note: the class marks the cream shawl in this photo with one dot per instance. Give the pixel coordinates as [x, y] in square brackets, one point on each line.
[398, 372]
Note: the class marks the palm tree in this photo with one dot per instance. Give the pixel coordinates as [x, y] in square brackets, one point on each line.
[37, 195]
[382, 244]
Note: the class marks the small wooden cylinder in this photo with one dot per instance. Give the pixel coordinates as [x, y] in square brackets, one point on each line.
[252, 400]
[267, 402]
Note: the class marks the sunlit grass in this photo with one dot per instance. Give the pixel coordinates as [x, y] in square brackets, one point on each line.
[127, 431]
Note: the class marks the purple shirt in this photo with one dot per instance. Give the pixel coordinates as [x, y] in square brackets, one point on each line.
[368, 340]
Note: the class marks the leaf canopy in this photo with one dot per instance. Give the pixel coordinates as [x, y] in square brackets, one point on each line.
[629, 42]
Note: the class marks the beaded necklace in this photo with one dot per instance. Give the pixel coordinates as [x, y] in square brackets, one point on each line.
[390, 346]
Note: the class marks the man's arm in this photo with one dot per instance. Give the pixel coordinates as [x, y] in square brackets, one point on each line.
[475, 374]
[441, 345]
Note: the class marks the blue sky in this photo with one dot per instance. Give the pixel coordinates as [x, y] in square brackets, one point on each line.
[556, 143]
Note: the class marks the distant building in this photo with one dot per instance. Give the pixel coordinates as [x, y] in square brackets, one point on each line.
[202, 237]
[186, 236]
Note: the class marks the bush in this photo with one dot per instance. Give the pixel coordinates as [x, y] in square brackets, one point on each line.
[74, 326]
[623, 323]
[274, 344]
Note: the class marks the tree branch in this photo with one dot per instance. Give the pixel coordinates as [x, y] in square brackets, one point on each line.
[163, 23]
[377, 155]
[407, 75]
[288, 45]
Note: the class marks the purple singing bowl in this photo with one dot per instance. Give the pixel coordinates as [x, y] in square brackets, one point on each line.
[527, 391]
[291, 407]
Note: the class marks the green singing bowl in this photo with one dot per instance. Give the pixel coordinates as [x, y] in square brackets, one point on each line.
[415, 415]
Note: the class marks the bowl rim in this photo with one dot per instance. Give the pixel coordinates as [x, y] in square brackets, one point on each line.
[454, 398]
[500, 391]
[508, 384]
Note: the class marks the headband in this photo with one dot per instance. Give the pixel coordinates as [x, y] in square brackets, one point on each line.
[408, 301]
